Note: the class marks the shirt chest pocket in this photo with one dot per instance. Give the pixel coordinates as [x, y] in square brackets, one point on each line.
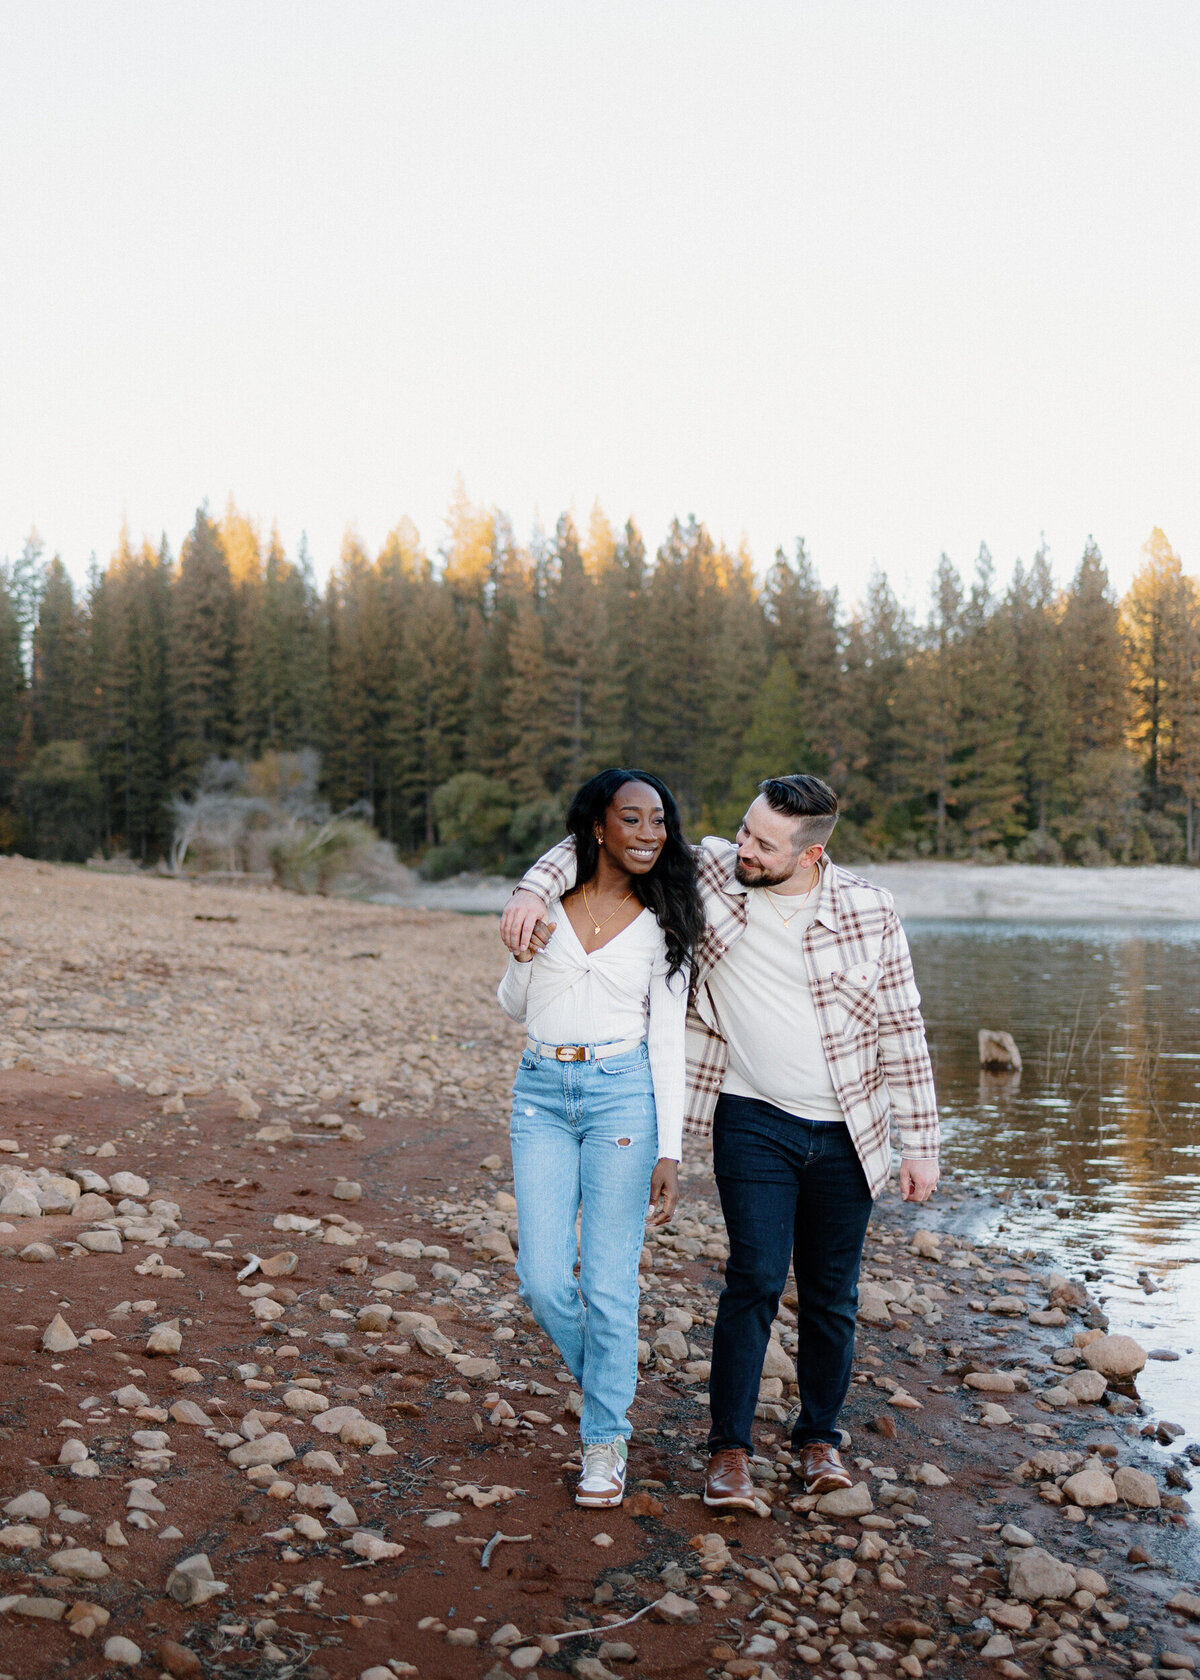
[852, 997]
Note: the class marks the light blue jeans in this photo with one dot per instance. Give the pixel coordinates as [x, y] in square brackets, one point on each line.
[585, 1135]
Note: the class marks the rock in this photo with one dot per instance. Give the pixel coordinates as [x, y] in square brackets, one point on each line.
[999, 1645]
[1135, 1487]
[281, 1264]
[672, 1344]
[927, 1244]
[178, 1660]
[32, 1504]
[37, 1253]
[275, 1131]
[123, 1651]
[85, 1619]
[930, 1476]
[129, 1184]
[1014, 1536]
[129, 1397]
[994, 1415]
[1018, 1618]
[20, 1537]
[58, 1337]
[101, 1242]
[304, 1402]
[432, 1341]
[39, 1609]
[591, 1668]
[90, 1206]
[510, 1633]
[191, 1581]
[77, 1563]
[998, 1053]
[187, 1411]
[1090, 1489]
[777, 1363]
[1090, 1580]
[1187, 1603]
[846, 1502]
[346, 1190]
[165, 1338]
[990, 1382]
[478, 1370]
[1064, 1293]
[444, 1519]
[23, 1204]
[400, 1283]
[1033, 1574]
[374, 1317]
[676, 1611]
[268, 1449]
[1115, 1356]
[1011, 1306]
[1050, 1318]
[373, 1547]
[1088, 1387]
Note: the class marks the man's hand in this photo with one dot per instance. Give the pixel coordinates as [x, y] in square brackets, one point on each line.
[918, 1180]
[664, 1192]
[521, 916]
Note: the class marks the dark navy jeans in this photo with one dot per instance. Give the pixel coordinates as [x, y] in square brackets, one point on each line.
[790, 1190]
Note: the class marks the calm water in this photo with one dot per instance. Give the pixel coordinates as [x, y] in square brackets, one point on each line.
[1095, 1147]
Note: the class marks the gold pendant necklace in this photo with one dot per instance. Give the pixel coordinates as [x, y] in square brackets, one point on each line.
[592, 914]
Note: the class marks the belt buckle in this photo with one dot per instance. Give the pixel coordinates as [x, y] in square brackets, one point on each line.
[570, 1053]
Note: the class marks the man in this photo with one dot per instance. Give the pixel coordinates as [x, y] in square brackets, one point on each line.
[805, 1042]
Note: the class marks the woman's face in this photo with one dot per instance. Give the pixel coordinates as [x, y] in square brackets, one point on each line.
[634, 829]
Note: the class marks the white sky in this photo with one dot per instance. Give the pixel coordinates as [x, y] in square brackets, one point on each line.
[898, 276]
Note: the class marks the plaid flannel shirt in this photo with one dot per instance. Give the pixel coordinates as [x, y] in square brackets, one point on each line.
[867, 1003]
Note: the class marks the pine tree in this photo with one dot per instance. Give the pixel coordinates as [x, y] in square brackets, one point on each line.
[576, 656]
[202, 642]
[739, 671]
[1036, 630]
[1152, 615]
[1095, 675]
[12, 708]
[931, 700]
[879, 644]
[683, 619]
[986, 771]
[621, 584]
[802, 622]
[57, 695]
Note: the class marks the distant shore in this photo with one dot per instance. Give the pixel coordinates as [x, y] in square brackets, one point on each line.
[942, 891]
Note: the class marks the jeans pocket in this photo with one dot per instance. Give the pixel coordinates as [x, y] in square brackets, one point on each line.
[629, 1061]
[528, 1062]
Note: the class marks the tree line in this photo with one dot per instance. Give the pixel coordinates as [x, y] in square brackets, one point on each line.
[459, 698]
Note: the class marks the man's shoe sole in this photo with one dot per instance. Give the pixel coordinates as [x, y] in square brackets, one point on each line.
[828, 1484]
[734, 1500]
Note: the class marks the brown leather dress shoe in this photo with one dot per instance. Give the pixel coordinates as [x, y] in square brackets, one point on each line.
[727, 1480]
[821, 1466]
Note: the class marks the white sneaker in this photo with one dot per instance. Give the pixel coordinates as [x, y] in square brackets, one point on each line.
[602, 1481]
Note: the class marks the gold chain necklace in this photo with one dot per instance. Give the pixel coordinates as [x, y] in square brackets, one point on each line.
[592, 914]
[803, 904]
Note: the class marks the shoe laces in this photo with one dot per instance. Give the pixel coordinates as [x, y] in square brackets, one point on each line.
[602, 1463]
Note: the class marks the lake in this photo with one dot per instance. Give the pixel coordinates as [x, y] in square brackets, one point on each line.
[1094, 1149]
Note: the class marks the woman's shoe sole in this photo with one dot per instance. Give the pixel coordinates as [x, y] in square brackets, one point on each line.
[596, 1502]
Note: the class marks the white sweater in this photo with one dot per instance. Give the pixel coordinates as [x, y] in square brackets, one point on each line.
[567, 995]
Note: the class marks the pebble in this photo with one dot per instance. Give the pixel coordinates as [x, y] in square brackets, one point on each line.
[1034, 1574]
[120, 1650]
[32, 1504]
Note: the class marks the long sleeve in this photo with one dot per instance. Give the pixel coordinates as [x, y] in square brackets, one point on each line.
[513, 990]
[903, 1050]
[665, 1036]
[553, 874]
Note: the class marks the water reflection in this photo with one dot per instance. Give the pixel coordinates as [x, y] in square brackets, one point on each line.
[1095, 1146]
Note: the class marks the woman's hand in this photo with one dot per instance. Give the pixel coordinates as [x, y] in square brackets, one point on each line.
[664, 1192]
[538, 941]
[521, 919]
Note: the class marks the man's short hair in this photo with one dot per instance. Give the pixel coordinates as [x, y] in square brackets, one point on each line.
[809, 800]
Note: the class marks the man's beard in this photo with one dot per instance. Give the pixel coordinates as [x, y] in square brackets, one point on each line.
[748, 877]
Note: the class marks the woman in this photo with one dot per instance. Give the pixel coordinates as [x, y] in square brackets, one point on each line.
[597, 1116]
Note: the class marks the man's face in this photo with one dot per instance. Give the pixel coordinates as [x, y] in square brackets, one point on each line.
[767, 855]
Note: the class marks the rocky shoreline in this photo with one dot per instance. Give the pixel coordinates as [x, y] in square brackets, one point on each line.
[272, 1405]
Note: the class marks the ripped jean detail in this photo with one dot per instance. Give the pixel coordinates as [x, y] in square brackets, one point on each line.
[584, 1145]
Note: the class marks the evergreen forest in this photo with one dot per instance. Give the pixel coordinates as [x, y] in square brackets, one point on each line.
[455, 700]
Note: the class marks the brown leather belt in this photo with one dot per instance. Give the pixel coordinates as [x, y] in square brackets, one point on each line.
[581, 1052]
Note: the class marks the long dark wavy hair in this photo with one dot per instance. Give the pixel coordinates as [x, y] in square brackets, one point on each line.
[669, 889]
